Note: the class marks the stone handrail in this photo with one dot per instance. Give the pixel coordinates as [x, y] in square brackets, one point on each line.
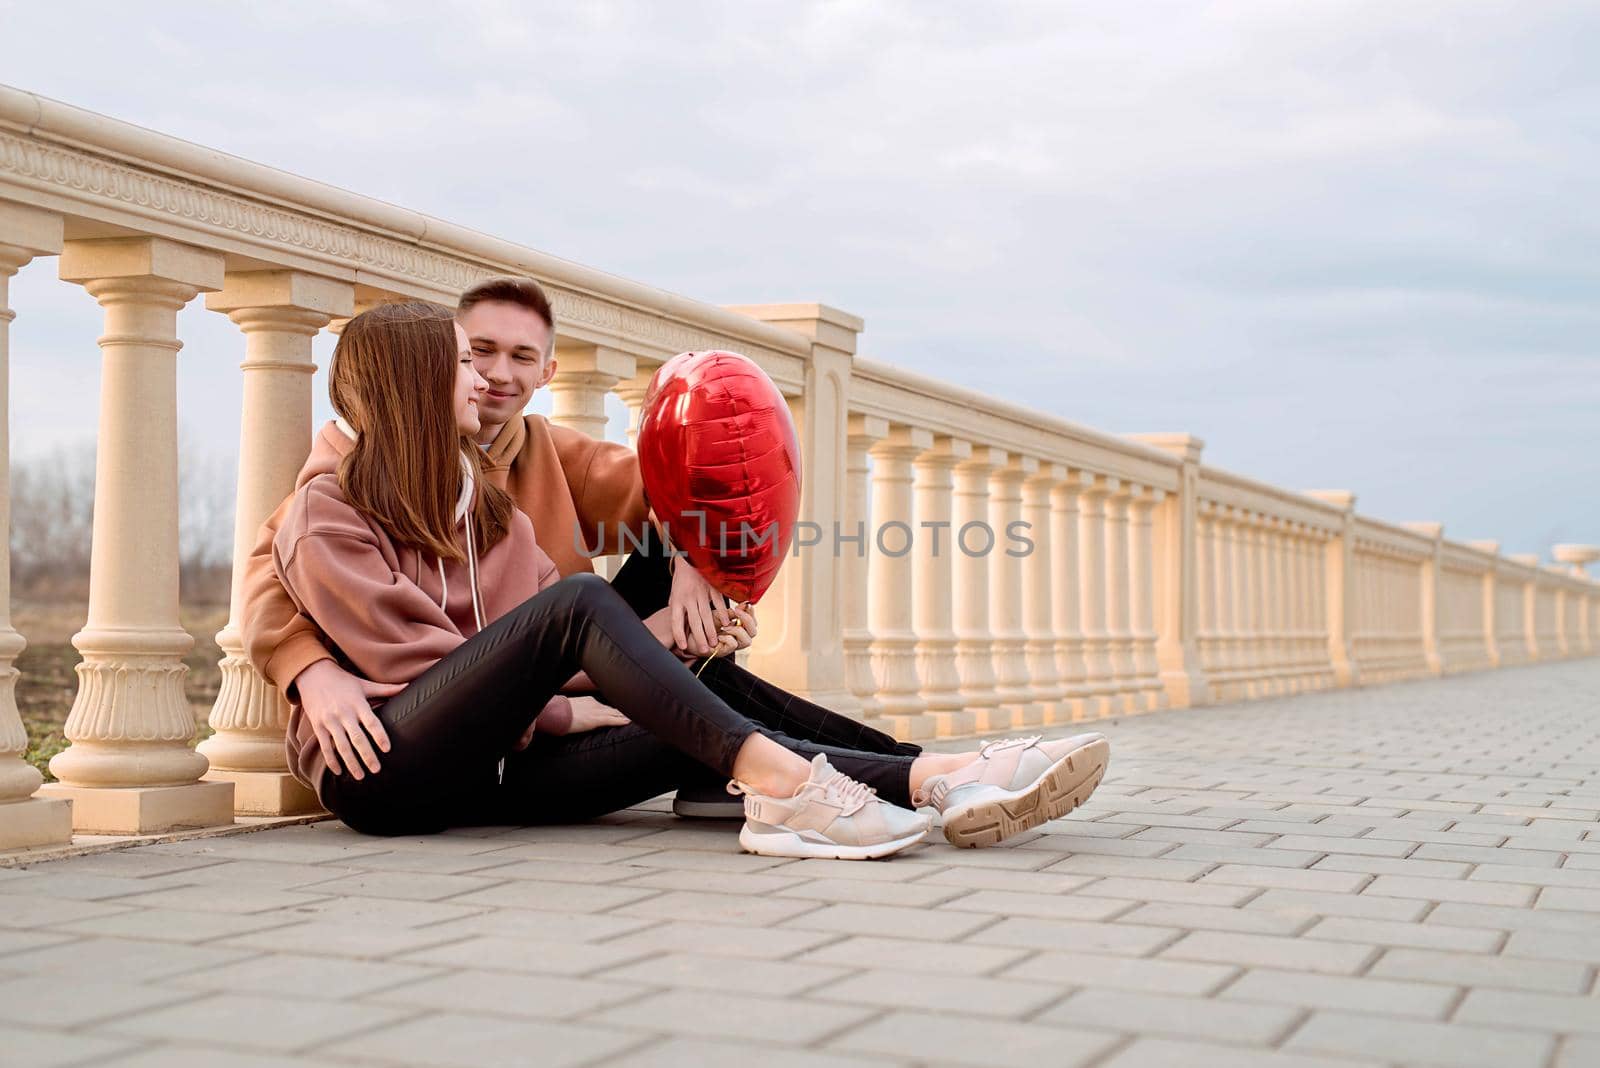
[1148, 579]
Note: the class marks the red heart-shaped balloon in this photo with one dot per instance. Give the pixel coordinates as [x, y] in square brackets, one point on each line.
[721, 466]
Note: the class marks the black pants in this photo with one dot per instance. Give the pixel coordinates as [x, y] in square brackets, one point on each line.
[452, 726]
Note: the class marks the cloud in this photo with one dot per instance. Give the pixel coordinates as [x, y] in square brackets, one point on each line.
[1348, 243]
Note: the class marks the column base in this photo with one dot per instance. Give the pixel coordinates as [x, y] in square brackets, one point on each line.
[38, 821]
[915, 728]
[991, 720]
[267, 793]
[145, 809]
[952, 724]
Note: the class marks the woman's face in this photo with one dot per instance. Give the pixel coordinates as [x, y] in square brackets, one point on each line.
[470, 387]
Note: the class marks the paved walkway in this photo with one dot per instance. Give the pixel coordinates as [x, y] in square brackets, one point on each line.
[1407, 875]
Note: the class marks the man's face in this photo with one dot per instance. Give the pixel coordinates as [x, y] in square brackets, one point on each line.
[511, 350]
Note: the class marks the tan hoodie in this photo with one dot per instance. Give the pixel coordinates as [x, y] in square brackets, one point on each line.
[391, 612]
[561, 479]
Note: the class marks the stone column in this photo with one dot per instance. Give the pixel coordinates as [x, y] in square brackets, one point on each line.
[1099, 680]
[280, 313]
[1065, 607]
[893, 645]
[933, 568]
[1432, 650]
[1118, 629]
[1578, 558]
[26, 821]
[1340, 591]
[1275, 603]
[632, 392]
[1005, 592]
[1224, 534]
[855, 537]
[801, 647]
[1489, 595]
[1530, 604]
[129, 769]
[1141, 575]
[976, 542]
[584, 375]
[1046, 687]
[1178, 568]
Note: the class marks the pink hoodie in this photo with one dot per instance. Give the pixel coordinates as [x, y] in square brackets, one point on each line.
[392, 612]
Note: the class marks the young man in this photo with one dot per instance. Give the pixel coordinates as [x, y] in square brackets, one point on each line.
[575, 489]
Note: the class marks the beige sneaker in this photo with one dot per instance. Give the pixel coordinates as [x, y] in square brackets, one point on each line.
[1015, 785]
[830, 816]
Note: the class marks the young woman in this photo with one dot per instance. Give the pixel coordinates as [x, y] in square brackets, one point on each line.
[434, 591]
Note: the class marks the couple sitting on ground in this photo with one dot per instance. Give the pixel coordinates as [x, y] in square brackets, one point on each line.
[425, 600]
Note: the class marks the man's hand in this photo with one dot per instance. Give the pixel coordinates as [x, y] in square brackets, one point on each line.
[587, 715]
[346, 727]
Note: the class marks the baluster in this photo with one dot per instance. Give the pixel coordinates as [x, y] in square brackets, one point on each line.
[1064, 572]
[1099, 681]
[1141, 574]
[864, 432]
[976, 542]
[893, 646]
[1046, 688]
[1118, 597]
[26, 821]
[129, 769]
[933, 571]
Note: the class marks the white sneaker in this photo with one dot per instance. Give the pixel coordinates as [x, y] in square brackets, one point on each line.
[1015, 785]
[830, 816]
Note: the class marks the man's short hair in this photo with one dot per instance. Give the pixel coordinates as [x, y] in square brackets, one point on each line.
[510, 289]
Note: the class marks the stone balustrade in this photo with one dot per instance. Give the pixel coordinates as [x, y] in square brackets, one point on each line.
[967, 565]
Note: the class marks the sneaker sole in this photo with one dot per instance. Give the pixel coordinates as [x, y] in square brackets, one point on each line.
[1066, 785]
[789, 844]
[708, 810]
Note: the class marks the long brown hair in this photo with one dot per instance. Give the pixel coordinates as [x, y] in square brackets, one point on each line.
[393, 379]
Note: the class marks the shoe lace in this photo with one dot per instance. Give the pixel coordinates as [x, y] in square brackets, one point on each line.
[985, 747]
[852, 794]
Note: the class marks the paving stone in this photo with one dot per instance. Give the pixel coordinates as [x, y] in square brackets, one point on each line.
[1202, 893]
[946, 1039]
[260, 875]
[1568, 898]
[1167, 1053]
[715, 882]
[692, 970]
[1217, 918]
[379, 911]
[1418, 1042]
[455, 1040]
[332, 939]
[1057, 906]
[508, 994]
[1166, 1014]
[741, 909]
[18, 941]
[553, 896]
[1426, 869]
[25, 912]
[1578, 1052]
[1490, 855]
[301, 975]
[708, 1014]
[502, 952]
[125, 959]
[1077, 936]
[193, 1056]
[575, 852]
[541, 926]
[1071, 970]
[1134, 867]
[1416, 935]
[1510, 919]
[1450, 890]
[73, 1001]
[64, 883]
[964, 995]
[1187, 836]
[405, 885]
[240, 900]
[892, 870]
[720, 939]
[1271, 951]
[891, 920]
[913, 957]
[255, 1021]
[1555, 945]
[1483, 970]
[1032, 882]
[1511, 873]
[38, 1048]
[1345, 993]
[1322, 903]
[699, 1053]
[1285, 878]
[1360, 847]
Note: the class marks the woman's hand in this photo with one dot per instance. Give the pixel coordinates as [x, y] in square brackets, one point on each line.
[587, 714]
[347, 729]
[692, 609]
[736, 630]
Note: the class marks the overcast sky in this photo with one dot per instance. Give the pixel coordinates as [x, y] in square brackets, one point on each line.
[1350, 245]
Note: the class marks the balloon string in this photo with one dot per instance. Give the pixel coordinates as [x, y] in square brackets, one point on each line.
[703, 666]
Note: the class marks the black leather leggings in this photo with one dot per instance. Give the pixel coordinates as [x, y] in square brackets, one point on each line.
[450, 729]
